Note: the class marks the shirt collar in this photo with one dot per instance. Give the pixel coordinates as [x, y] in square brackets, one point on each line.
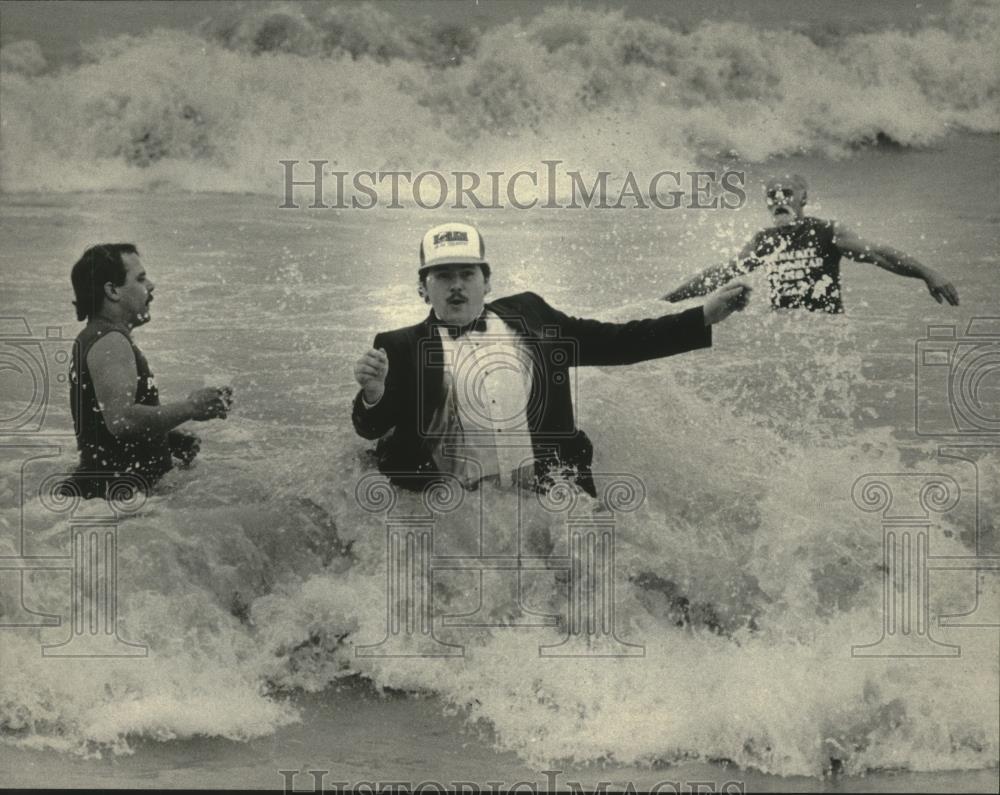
[454, 330]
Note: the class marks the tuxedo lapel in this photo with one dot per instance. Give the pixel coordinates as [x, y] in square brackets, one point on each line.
[513, 317]
[429, 372]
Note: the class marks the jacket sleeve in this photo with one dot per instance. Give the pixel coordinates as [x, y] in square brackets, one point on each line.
[376, 421]
[599, 343]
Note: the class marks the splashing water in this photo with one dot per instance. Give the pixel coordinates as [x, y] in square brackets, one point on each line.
[216, 110]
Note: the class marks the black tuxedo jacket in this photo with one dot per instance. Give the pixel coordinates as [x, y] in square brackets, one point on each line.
[414, 387]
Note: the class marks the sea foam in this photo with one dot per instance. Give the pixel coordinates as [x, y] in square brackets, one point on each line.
[216, 109]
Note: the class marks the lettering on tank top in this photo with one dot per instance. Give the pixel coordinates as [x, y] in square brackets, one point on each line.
[799, 270]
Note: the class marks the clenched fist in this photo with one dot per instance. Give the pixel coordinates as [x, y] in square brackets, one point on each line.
[370, 371]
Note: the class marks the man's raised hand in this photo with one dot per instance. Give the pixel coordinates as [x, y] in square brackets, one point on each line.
[370, 371]
[730, 298]
[210, 403]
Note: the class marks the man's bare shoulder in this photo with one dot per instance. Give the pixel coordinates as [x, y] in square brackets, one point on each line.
[111, 345]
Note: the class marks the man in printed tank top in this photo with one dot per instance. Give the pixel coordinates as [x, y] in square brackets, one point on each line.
[123, 432]
[801, 256]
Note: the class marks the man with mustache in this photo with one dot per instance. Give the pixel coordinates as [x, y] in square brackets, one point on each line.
[802, 254]
[121, 427]
[481, 391]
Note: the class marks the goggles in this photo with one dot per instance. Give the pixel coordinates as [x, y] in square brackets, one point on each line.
[779, 196]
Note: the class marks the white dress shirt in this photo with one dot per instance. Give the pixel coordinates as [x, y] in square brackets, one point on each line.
[483, 422]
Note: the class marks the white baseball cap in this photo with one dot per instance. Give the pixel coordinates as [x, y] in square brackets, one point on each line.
[452, 244]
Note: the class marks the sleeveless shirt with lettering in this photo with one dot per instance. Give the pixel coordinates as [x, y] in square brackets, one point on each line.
[101, 453]
[802, 264]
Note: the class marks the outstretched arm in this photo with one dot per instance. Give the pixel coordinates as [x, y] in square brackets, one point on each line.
[711, 278]
[895, 261]
[112, 369]
[598, 343]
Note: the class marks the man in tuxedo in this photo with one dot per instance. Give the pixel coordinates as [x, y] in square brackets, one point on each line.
[482, 391]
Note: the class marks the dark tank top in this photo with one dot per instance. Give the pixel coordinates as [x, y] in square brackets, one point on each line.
[102, 456]
[802, 264]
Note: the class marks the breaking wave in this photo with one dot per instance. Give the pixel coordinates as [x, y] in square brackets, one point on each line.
[214, 110]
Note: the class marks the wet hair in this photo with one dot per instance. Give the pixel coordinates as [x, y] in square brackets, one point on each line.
[99, 265]
[796, 181]
[484, 266]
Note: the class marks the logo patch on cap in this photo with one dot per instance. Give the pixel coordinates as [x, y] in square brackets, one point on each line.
[452, 244]
[451, 236]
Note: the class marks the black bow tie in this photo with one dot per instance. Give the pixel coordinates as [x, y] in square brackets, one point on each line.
[456, 331]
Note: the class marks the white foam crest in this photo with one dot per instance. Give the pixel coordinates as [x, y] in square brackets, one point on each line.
[216, 112]
[235, 601]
